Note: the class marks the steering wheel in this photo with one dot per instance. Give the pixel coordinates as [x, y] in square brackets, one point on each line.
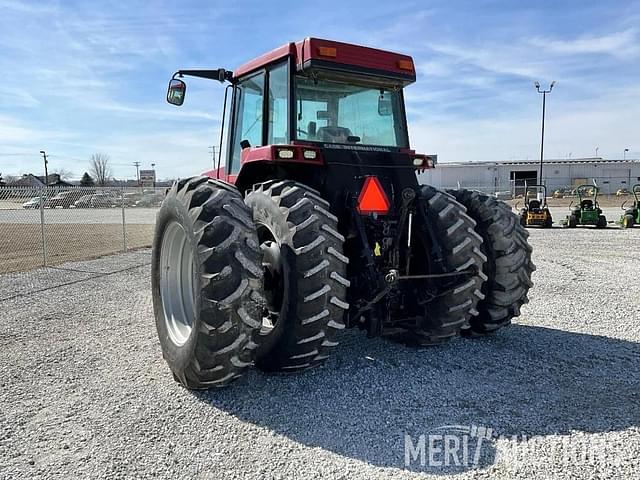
[302, 131]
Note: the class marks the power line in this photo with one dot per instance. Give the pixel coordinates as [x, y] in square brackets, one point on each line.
[213, 155]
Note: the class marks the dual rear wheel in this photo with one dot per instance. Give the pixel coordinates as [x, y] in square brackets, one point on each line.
[263, 279]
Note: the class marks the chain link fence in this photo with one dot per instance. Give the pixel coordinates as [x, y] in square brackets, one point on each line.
[49, 226]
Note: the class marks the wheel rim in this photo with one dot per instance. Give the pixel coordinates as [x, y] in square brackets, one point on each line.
[176, 283]
[273, 278]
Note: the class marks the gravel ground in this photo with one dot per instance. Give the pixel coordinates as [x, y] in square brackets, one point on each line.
[85, 393]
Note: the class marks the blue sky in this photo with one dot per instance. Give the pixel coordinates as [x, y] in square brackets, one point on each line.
[86, 77]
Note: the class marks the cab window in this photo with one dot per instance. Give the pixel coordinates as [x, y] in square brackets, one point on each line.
[278, 127]
[249, 99]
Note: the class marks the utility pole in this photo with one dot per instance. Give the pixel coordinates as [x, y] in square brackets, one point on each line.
[46, 171]
[544, 103]
[137, 165]
[153, 167]
[213, 155]
[624, 154]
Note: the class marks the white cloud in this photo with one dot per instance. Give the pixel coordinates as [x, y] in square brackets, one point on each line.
[624, 44]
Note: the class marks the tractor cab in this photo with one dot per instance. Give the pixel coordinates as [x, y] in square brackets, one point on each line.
[535, 211]
[587, 211]
[313, 110]
[631, 216]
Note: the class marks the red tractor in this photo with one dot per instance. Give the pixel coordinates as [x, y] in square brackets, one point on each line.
[315, 221]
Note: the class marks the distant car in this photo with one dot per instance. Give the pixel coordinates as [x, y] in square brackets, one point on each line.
[504, 195]
[150, 200]
[34, 202]
[64, 199]
[83, 202]
[131, 198]
[104, 200]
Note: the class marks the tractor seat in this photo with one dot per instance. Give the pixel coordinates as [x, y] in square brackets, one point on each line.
[534, 205]
[333, 134]
[586, 204]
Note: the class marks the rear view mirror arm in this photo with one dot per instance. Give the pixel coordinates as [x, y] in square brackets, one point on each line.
[220, 74]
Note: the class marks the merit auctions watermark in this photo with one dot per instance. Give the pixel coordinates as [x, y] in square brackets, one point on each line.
[473, 446]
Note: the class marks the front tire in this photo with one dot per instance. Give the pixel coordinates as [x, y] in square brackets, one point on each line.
[628, 221]
[206, 283]
[305, 275]
[508, 267]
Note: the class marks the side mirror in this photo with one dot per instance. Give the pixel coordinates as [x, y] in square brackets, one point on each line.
[176, 91]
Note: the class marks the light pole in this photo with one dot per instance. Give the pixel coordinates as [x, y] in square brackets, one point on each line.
[597, 148]
[544, 104]
[624, 154]
[46, 172]
[137, 165]
[153, 167]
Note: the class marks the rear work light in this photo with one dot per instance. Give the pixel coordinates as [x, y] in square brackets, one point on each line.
[372, 198]
[310, 154]
[405, 65]
[285, 153]
[327, 52]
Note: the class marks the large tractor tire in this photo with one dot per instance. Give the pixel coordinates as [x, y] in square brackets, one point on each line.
[455, 304]
[508, 266]
[206, 283]
[305, 275]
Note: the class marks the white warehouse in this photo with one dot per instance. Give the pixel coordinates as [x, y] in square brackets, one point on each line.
[506, 176]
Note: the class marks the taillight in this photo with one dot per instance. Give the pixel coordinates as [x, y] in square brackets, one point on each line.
[372, 198]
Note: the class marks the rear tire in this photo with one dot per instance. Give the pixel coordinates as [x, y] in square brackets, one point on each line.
[572, 221]
[305, 275]
[206, 283]
[602, 222]
[451, 309]
[508, 267]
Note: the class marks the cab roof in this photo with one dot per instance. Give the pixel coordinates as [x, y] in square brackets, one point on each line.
[329, 54]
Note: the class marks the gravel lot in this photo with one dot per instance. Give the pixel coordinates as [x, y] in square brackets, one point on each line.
[86, 394]
[71, 235]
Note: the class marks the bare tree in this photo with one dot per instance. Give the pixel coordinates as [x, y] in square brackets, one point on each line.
[63, 173]
[100, 168]
[10, 179]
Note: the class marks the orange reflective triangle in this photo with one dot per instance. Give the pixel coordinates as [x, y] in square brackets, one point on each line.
[372, 198]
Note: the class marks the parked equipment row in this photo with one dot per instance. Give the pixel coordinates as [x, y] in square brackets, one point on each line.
[586, 212]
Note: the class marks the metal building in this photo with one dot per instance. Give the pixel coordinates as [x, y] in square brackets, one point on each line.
[510, 176]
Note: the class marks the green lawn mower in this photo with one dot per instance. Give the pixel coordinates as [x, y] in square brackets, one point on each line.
[535, 211]
[587, 212]
[631, 216]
